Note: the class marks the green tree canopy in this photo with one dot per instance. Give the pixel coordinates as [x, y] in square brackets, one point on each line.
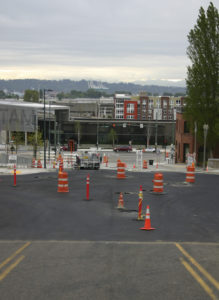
[112, 136]
[31, 96]
[202, 102]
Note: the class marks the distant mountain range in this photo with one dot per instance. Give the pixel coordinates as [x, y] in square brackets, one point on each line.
[20, 85]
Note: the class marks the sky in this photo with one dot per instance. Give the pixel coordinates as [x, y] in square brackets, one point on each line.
[105, 40]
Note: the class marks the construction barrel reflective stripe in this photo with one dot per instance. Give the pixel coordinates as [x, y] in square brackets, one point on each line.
[158, 183]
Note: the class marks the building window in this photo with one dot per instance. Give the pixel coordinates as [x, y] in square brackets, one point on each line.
[186, 127]
[178, 102]
[158, 103]
[164, 103]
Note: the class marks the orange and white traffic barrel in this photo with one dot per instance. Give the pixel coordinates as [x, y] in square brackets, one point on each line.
[63, 182]
[120, 170]
[158, 183]
[39, 164]
[145, 165]
[33, 163]
[190, 174]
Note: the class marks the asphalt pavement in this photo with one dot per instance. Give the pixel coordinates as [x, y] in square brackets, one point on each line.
[62, 246]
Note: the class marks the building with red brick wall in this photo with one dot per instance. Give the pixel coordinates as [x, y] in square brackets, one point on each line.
[184, 139]
[130, 109]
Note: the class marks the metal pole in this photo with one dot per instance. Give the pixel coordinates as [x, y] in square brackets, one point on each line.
[156, 134]
[195, 141]
[55, 132]
[49, 132]
[205, 127]
[44, 128]
[97, 125]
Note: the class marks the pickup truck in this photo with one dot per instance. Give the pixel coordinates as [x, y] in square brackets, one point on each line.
[88, 161]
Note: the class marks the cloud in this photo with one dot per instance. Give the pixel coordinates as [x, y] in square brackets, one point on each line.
[143, 38]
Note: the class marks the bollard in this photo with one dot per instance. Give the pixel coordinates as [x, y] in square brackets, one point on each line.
[15, 181]
[140, 217]
[87, 187]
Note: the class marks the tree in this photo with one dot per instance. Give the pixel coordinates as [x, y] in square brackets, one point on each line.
[18, 139]
[31, 96]
[112, 136]
[2, 95]
[202, 102]
[35, 139]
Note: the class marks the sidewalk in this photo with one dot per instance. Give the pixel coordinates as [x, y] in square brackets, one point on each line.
[162, 167]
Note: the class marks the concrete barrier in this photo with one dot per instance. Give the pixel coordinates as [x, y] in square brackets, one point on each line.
[213, 163]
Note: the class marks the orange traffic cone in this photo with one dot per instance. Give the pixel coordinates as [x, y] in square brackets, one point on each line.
[121, 202]
[147, 224]
[134, 166]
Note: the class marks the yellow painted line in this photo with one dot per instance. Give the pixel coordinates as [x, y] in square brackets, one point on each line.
[17, 172]
[207, 289]
[10, 268]
[5, 262]
[198, 266]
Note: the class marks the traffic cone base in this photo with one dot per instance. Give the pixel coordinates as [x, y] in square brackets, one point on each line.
[140, 219]
[143, 228]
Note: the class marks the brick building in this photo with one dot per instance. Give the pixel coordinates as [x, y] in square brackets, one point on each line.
[184, 139]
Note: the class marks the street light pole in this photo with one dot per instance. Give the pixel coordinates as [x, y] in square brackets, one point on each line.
[49, 132]
[195, 140]
[205, 127]
[44, 127]
[156, 134]
[97, 125]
